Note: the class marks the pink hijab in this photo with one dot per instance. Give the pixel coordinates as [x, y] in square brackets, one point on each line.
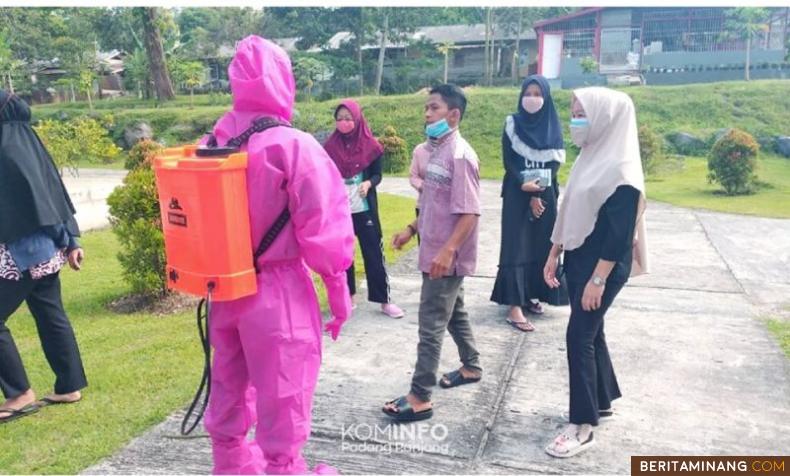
[353, 152]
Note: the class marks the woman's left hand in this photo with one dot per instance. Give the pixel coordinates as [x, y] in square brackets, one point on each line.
[591, 299]
[364, 187]
[75, 258]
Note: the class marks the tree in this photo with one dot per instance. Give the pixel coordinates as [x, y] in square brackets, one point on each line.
[189, 73]
[445, 49]
[395, 23]
[488, 45]
[163, 87]
[8, 64]
[307, 70]
[85, 82]
[744, 23]
[138, 74]
[204, 30]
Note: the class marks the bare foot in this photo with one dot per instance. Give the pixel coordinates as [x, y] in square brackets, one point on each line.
[516, 316]
[417, 404]
[19, 402]
[470, 373]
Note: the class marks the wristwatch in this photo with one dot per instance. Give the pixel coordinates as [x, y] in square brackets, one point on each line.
[597, 280]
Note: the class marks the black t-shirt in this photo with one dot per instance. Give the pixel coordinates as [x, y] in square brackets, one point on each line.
[611, 239]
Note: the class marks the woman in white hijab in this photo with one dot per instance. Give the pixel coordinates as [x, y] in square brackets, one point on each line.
[601, 230]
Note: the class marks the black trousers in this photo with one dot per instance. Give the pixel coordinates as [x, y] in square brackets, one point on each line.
[54, 329]
[592, 380]
[373, 256]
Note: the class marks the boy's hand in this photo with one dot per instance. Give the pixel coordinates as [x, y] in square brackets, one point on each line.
[400, 239]
[441, 263]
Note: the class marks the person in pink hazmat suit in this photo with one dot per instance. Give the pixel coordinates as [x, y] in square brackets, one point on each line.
[270, 343]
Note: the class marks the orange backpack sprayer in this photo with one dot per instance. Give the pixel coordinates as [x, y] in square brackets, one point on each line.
[205, 222]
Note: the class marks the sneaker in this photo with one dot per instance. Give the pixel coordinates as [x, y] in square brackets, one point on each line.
[392, 310]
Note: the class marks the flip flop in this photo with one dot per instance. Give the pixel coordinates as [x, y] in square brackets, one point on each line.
[405, 411]
[456, 378]
[46, 402]
[535, 308]
[17, 414]
[525, 326]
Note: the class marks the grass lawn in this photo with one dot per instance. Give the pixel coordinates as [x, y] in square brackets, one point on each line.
[781, 330]
[689, 187]
[140, 367]
[396, 212]
[759, 107]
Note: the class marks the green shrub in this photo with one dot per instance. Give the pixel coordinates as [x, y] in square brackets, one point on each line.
[732, 162]
[588, 65]
[79, 140]
[135, 220]
[141, 154]
[396, 157]
[651, 148]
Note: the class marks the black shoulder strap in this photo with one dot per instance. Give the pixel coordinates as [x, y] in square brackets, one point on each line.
[271, 235]
[260, 125]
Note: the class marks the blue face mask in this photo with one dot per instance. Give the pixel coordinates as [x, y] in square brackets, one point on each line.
[437, 129]
[579, 122]
[580, 129]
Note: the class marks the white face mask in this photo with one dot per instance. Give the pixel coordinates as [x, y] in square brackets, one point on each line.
[580, 130]
[532, 104]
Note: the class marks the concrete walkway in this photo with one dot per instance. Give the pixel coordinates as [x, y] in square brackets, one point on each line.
[89, 190]
[699, 372]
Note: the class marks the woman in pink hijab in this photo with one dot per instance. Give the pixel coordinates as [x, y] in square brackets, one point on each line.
[272, 341]
[357, 155]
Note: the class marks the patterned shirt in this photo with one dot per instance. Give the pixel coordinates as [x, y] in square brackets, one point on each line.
[451, 188]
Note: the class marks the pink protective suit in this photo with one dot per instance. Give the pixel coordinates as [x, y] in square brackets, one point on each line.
[272, 341]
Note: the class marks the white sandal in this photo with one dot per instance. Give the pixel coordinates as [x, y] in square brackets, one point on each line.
[565, 446]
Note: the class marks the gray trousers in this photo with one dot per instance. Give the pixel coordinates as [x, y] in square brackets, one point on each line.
[441, 307]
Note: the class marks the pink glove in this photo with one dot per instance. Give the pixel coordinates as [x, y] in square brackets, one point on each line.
[334, 326]
[339, 302]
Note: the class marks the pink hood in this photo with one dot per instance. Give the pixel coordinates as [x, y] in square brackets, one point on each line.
[261, 79]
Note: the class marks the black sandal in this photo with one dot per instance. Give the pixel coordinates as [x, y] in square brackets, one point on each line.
[46, 401]
[456, 378]
[17, 414]
[405, 413]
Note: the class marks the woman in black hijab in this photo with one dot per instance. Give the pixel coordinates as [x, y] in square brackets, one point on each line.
[37, 238]
[532, 151]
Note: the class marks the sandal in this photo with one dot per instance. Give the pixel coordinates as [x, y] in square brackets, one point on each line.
[603, 415]
[405, 412]
[456, 378]
[565, 446]
[16, 414]
[535, 308]
[525, 326]
[46, 402]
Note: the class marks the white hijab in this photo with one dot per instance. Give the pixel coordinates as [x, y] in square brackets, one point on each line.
[609, 159]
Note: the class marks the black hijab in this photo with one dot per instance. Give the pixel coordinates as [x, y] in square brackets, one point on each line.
[541, 130]
[32, 194]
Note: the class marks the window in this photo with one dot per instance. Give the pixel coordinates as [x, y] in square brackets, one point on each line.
[458, 59]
